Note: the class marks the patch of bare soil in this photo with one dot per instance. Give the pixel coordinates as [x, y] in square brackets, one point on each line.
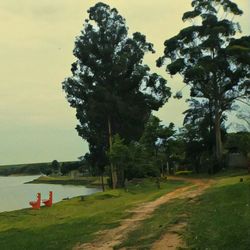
[107, 239]
[172, 239]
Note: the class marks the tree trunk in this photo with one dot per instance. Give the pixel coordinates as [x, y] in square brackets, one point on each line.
[218, 144]
[112, 168]
[103, 187]
[120, 176]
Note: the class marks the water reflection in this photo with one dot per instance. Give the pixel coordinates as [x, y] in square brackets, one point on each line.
[14, 194]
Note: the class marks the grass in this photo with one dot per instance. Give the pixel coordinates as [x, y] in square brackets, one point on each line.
[219, 219]
[72, 221]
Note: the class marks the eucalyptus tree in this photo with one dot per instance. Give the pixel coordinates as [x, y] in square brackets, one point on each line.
[111, 89]
[201, 54]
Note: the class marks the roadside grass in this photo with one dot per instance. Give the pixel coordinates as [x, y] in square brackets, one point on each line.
[221, 219]
[72, 221]
[218, 219]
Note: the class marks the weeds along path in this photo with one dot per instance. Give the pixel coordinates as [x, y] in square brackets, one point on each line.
[107, 239]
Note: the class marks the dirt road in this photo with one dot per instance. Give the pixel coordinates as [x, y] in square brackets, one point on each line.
[171, 240]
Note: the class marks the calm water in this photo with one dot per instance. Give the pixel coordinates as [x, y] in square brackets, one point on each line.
[14, 194]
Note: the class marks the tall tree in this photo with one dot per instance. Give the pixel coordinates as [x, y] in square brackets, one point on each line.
[111, 89]
[200, 53]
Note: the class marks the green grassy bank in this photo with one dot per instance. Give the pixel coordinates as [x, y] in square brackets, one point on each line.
[221, 218]
[72, 221]
[218, 219]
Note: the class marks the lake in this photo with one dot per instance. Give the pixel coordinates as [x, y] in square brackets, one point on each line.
[14, 194]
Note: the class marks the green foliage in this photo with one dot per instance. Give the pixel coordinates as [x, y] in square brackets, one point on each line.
[119, 154]
[66, 167]
[156, 137]
[142, 164]
[148, 157]
[55, 165]
[240, 140]
[157, 147]
[199, 135]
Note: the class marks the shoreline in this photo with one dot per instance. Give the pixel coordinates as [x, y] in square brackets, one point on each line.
[21, 194]
[65, 182]
[89, 182]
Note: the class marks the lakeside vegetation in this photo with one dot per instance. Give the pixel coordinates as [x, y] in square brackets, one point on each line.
[72, 221]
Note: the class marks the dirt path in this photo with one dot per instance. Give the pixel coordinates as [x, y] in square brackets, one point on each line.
[109, 238]
[172, 239]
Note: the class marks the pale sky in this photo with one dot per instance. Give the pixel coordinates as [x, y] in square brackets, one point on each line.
[37, 39]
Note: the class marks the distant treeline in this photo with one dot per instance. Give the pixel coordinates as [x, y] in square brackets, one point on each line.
[37, 168]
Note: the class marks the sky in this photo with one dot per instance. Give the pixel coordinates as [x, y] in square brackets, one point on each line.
[36, 122]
